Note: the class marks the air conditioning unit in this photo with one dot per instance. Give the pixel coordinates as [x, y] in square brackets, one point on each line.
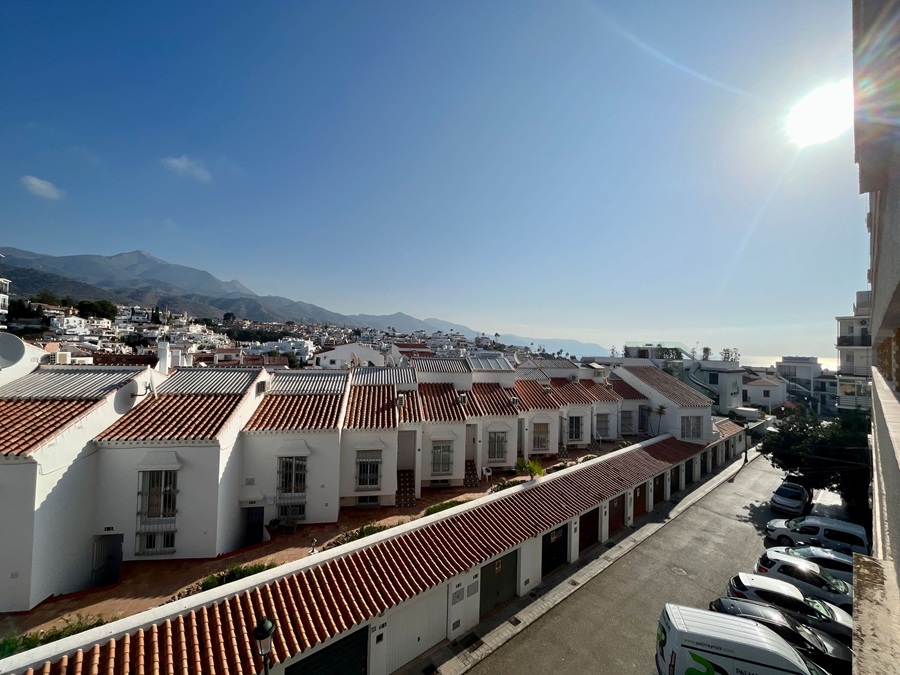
[463, 398]
[547, 389]
[514, 400]
[61, 358]
[863, 322]
[401, 400]
[573, 378]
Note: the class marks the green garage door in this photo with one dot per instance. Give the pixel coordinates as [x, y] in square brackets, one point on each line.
[347, 656]
[498, 582]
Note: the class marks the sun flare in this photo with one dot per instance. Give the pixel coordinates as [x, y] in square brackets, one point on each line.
[824, 114]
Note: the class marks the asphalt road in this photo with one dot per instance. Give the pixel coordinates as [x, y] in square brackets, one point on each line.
[609, 626]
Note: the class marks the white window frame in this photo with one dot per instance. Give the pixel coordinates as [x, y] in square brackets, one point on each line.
[537, 436]
[627, 422]
[291, 491]
[441, 458]
[692, 426]
[368, 470]
[157, 509]
[497, 446]
[601, 421]
[579, 424]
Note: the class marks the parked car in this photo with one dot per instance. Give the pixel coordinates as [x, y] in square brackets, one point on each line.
[691, 641]
[807, 610]
[808, 577]
[819, 531]
[819, 647]
[791, 498]
[839, 564]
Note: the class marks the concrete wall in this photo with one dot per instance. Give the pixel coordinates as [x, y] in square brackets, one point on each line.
[435, 433]
[18, 480]
[365, 439]
[548, 417]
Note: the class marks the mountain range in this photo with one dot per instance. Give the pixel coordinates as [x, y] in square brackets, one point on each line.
[138, 278]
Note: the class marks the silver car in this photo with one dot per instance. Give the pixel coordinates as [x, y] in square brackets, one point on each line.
[839, 564]
[791, 498]
[808, 577]
[807, 610]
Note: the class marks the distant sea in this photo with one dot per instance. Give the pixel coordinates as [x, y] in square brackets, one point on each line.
[829, 362]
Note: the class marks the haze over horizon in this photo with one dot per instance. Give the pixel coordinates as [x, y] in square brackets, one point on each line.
[587, 170]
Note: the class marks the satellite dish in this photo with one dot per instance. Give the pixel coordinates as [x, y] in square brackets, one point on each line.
[12, 349]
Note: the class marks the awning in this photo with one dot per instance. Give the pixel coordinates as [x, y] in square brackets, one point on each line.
[294, 448]
[369, 443]
[159, 460]
[250, 496]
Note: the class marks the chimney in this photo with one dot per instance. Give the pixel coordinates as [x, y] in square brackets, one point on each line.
[162, 349]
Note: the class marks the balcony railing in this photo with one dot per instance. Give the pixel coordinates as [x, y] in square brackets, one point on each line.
[854, 341]
[858, 371]
[854, 402]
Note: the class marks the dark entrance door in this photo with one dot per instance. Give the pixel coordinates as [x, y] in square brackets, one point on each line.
[347, 656]
[588, 529]
[714, 456]
[554, 550]
[659, 488]
[640, 501]
[616, 514]
[498, 582]
[107, 559]
[704, 464]
[253, 525]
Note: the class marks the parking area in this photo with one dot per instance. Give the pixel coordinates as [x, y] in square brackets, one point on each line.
[609, 624]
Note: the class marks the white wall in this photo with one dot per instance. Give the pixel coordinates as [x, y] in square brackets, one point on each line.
[18, 481]
[487, 425]
[260, 453]
[357, 439]
[548, 417]
[440, 429]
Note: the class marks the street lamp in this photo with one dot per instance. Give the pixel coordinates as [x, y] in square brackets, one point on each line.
[263, 634]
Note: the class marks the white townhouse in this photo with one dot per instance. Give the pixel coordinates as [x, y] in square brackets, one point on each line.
[449, 444]
[49, 478]
[634, 408]
[169, 484]
[374, 605]
[342, 357]
[539, 415]
[687, 414]
[764, 391]
[291, 451]
[722, 381]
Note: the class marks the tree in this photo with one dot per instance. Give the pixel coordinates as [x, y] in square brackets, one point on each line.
[229, 317]
[154, 317]
[729, 354]
[45, 297]
[833, 456]
[707, 352]
[660, 411]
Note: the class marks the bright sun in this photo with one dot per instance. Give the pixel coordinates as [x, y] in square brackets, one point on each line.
[824, 114]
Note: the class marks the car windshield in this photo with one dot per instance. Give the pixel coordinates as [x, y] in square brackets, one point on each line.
[795, 522]
[808, 636]
[789, 491]
[812, 667]
[819, 606]
[835, 583]
[802, 552]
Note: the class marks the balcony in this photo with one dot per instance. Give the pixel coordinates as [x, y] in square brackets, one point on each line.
[854, 341]
[854, 402]
[856, 371]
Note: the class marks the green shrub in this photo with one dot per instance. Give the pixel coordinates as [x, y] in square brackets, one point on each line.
[234, 573]
[71, 626]
[443, 506]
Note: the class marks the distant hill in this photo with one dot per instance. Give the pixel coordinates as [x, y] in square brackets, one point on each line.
[138, 278]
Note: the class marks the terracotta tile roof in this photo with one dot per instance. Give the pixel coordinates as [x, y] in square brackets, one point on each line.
[372, 407]
[532, 396]
[600, 392]
[626, 391]
[313, 602]
[102, 359]
[674, 390]
[442, 364]
[569, 393]
[174, 417]
[671, 450]
[728, 428]
[440, 403]
[26, 423]
[295, 412]
[411, 412]
[493, 400]
[759, 381]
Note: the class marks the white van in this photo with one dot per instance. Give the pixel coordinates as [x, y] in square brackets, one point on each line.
[691, 641]
[819, 531]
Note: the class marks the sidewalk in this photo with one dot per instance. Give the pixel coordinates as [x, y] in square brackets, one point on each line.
[453, 658]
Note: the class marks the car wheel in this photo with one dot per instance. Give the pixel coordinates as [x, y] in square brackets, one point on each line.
[785, 540]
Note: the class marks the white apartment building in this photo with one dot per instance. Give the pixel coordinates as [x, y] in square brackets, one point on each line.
[854, 347]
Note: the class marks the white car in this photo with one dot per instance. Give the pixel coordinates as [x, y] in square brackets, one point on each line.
[819, 531]
[808, 577]
[809, 611]
[839, 564]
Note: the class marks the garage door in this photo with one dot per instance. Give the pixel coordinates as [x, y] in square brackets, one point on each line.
[416, 627]
[348, 656]
[640, 501]
[589, 529]
[616, 514]
[659, 488]
[554, 549]
[498, 582]
[676, 478]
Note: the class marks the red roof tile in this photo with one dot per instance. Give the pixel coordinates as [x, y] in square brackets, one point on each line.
[174, 417]
[728, 428]
[440, 403]
[672, 451]
[674, 390]
[26, 423]
[493, 400]
[600, 392]
[626, 391]
[412, 407]
[372, 407]
[532, 396]
[288, 412]
[316, 603]
[568, 392]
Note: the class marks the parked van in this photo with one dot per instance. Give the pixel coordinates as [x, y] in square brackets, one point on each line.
[820, 531]
[690, 641]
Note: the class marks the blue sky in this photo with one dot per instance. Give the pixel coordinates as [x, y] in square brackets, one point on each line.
[604, 171]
